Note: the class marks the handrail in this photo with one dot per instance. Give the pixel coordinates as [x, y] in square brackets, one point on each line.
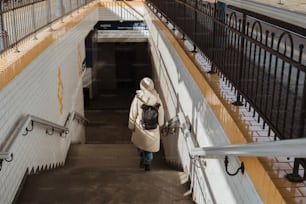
[23, 124]
[131, 7]
[79, 118]
[284, 148]
[191, 143]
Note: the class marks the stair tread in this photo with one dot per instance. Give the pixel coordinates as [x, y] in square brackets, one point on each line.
[107, 173]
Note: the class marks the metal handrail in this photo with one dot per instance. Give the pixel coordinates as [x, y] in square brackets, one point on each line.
[80, 118]
[132, 8]
[191, 145]
[22, 125]
[283, 148]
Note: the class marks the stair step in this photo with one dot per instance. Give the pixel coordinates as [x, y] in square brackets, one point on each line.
[106, 173]
[118, 117]
[107, 135]
[102, 155]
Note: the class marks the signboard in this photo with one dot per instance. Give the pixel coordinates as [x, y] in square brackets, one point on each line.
[121, 25]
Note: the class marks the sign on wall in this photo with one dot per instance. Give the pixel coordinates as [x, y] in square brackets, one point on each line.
[121, 25]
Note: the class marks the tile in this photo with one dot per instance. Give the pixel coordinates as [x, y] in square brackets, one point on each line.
[302, 191]
[290, 192]
[284, 183]
[296, 200]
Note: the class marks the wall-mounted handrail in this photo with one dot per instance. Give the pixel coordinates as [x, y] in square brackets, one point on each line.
[23, 125]
[80, 118]
[196, 162]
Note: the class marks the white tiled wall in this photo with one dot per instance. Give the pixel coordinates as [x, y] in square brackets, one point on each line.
[34, 91]
[182, 94]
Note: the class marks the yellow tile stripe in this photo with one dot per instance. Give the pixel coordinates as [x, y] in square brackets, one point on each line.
[9, 68]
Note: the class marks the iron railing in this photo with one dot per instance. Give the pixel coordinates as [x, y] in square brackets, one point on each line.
[263, 58]
[20, 19]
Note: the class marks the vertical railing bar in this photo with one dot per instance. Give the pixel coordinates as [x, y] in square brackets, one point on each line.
[14, 28]
[243, 61]
[278, 101]
[237, 55]
[71, 13]
[268, 99]
[273, 87]
[33, 20]
[228, 48]
[2, 28]
[9, 28]
[303, 111]
[296, 87]
[29, 22]
[233, 53]
[248, 67]
[287, 102]
[257, 82]
[264, 95]
[253, 68]
[291, 133]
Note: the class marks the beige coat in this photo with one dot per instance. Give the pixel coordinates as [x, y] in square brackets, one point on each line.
[148, 140]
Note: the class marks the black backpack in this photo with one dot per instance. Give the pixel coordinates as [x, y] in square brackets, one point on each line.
[149, 118]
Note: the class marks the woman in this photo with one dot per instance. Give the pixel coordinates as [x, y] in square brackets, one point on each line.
[147, 140]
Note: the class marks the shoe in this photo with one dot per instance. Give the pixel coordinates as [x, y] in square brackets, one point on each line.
[141, 163]
[147, 167]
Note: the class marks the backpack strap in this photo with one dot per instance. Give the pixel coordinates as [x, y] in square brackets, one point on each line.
[155, 106]
[140, 99]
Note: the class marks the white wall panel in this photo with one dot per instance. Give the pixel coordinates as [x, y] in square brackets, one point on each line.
[218, 187]
[34, 91]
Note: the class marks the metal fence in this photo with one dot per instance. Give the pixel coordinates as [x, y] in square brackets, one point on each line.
[263, 58]
[20, 19]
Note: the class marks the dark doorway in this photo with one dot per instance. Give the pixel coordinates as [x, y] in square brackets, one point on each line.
[116, 72]
[118, 69]
[125, 58]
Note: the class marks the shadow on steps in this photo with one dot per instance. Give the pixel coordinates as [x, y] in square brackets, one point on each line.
[107, 173]
[106, 170]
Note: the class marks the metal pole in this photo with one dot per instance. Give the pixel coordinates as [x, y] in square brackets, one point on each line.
[242, 45]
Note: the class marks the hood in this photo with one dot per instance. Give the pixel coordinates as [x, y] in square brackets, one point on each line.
[147, 93]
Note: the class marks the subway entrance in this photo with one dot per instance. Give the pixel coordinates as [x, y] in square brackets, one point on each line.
[116, 68]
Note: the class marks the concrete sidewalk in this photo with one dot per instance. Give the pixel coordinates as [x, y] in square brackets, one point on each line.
[298, 6]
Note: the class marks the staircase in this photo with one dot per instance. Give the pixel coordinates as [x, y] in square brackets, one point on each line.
[105, 170]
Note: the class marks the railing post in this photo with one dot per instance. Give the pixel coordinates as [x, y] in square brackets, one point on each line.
[212, 71]
[242, 45]
[59, 9]
[295, 177]
[303, 108]
[70, 2]
[15, 28]
[49, 17]
[195, 27]
[33, 21]
[3, 33]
